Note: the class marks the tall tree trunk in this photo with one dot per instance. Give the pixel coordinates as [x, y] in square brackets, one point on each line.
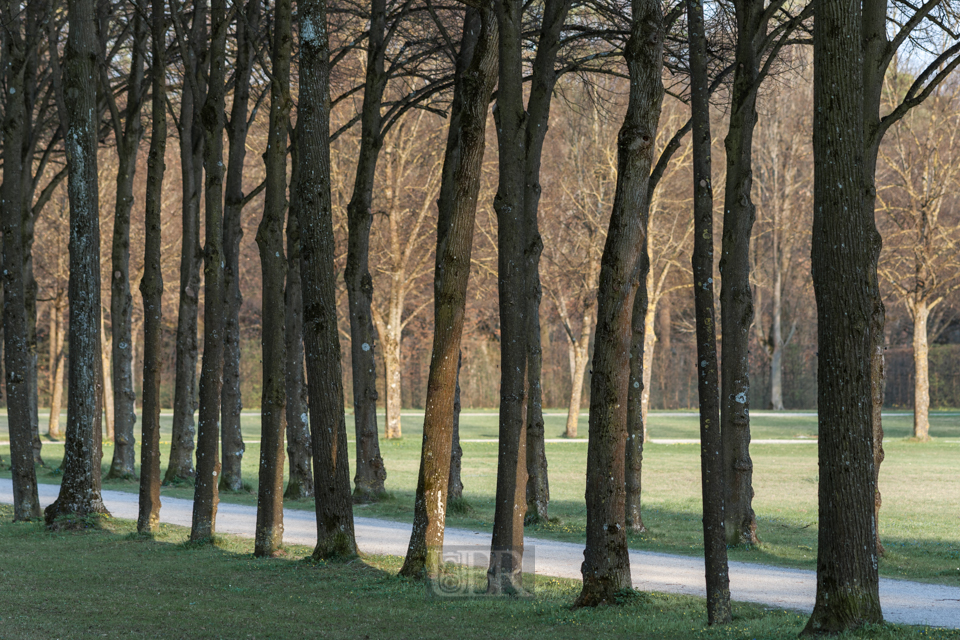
[300, 484]
[80, 486]
[328, 426]
[842, 259]
[151, 286]
[58, 354]
[26, 504]
[921, 367]
[248, 21]
[457, 208]
[206, 490]
[191, 255]
[370, 472]
[606, 565]
[636, 423]
[106, 382]
[455, 483]
[538, 486]
[711, 442]
[273, 263]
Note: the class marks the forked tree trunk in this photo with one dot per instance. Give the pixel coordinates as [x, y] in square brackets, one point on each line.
[151, 286]
[606, 565]
[80, 486]
[206, 490]
[843, 262]
[579, 353]
[708, 386]
[58, 354]
[457, 207]
[331, 468]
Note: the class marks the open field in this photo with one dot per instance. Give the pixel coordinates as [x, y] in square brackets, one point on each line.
[109, 582]
[920, 520]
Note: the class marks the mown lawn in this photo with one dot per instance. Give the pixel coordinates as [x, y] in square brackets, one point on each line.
[109, 582]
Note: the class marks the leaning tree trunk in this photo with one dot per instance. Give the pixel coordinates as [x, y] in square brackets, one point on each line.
[58, 352]
[26, 504]
[331, 468]
[151, 286]
[843, 262]
[711, 443]
[606, 565]
[206, 490]
[80, 486]
[457, 208]
[921, 367]
[636, 423]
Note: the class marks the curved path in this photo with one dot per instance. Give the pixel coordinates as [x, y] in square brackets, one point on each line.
[903, 602]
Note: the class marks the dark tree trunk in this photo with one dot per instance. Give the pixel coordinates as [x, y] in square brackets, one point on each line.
[151, 286]
[606, 565]
[711, 444]
[191, 255]
[370, 473]
[273, 263]
[455, 483]
[843, 262]
[328, 426]
[80, 486]
[636, 389]
[121, 302]
[26, 504]
[736, 296]
[457, 208]
[206, 490]
[538, 486]
[247, 23]
[300, 484]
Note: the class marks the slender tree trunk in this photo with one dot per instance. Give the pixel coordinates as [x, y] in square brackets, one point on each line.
[842, 259]
[636, 423]
[273, 263]
[206, 491]
[151, 286]
[80, 486]
[106, 382]
[455, 484]
[390, 339]
[579, 357]
[776, 357]
[26, 504]
[30, 303]
[921, 367]
[191, 255]
[457, 207]
[328, 426]
[58, 354]
[606, 565]
[300, 484]
[370, 472]
[538, 486]
[649, 345]
[711, 443]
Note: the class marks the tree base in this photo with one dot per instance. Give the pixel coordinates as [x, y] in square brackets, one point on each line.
[297, 490]
[338, 546]
[58, 518]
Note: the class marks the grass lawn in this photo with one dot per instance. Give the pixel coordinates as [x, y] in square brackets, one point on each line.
[109, 582]
[919, 482]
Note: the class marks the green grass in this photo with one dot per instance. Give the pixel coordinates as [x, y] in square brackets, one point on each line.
[919, 483]
[110, 582]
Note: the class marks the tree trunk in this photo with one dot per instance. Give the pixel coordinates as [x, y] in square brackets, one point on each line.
[649, 345]
[390, 338]
[80, 487]
[457, 207]
[776, 332]
[328, 426]
[842, 264]
[579, 357]
[151, 286]
[273, 263]
[248, 21]
[30, 303]
[58, 354]
[370, 473]
[636, 423]
[606, 565]
[455, 483]
[26, 504]
[106, 382]
[711, 443]
[191, 255]
[206, 491]
[921, 367]
[538, 487]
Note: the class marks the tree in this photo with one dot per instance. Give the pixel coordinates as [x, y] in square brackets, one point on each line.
[80, 487]
[844, 241]
[606, 566]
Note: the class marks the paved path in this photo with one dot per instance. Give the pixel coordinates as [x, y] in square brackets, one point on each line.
[902, 601]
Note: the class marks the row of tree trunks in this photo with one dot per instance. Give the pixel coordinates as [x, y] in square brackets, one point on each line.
[606, 565]
[457, 207]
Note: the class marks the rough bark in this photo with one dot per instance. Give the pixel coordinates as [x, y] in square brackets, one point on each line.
[711, 458]
[606, 565]
[842, 259]
[273, 404]
[191, 254]
[335, 533]
[300, 484]
[636, 421]
[151, 286]
[26, 504]
[80, 487]
[58, 354]
[206, 489]
[457, 207]
[248, 21]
